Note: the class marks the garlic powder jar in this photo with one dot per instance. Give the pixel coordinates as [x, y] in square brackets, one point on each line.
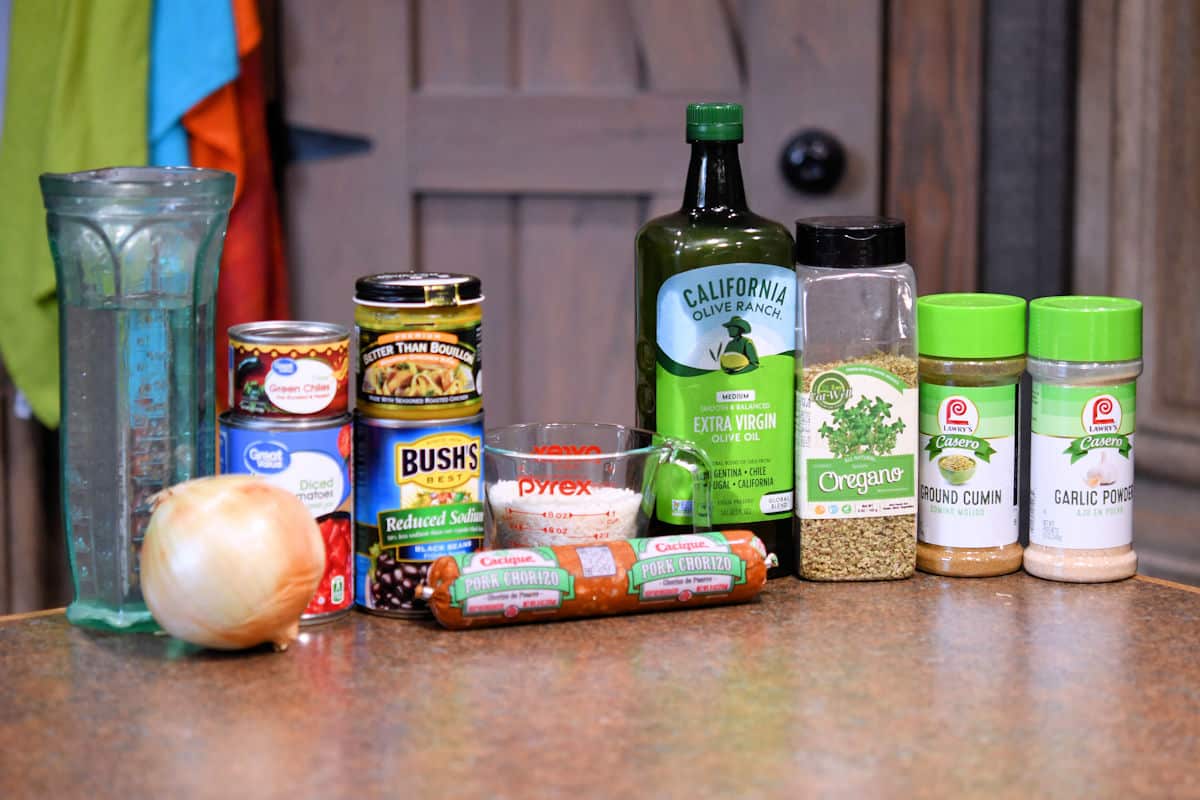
[1085, 354]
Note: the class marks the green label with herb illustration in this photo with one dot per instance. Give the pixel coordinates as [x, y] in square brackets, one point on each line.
[507, 582]
[968, 456]
[678, 567]
[726, 341]
[1081, 466]
[857, 443]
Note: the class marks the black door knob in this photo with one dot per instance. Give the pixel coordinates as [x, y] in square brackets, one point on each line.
[813, 162]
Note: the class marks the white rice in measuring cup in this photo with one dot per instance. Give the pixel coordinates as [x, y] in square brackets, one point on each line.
[605, 513]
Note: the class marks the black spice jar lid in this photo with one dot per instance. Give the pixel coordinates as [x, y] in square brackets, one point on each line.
[849, 241]
[418, 289]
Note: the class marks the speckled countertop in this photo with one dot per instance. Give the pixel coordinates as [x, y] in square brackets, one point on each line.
[927, 687]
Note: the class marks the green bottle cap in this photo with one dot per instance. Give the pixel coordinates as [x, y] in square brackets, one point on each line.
[971, 326]
[714, 122]
[1085, 329]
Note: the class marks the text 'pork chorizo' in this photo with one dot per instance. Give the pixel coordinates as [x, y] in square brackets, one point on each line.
[496, 587]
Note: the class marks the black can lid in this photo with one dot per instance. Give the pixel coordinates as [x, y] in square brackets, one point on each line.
[418, 289]
[849, 241]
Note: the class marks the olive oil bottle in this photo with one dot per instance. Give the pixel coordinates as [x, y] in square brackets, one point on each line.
[716, 315]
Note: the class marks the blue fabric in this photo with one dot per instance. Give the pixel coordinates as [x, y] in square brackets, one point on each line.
[193, 52]
[5, 19]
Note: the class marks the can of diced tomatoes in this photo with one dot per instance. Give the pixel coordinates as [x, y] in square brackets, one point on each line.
[418, 495]
[284, 369]
[310, 458]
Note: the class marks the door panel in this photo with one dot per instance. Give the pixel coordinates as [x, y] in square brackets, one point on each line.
[466, 47]
[575, 343]
[813, 65]
[351, 216]
[529, 140]
[934, 116]
[1137, 198]
[574, 274]
[487, 248]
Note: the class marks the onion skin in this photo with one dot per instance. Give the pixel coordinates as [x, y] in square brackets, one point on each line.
[230, 562]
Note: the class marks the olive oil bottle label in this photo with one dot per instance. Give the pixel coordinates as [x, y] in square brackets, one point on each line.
[967, 459]
[1081, 466]
[857, 444]
[724, 381]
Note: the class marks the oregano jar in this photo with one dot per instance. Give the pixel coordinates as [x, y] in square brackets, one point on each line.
[972, 356]
[856, 401]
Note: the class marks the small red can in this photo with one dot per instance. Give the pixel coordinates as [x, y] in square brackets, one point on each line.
[287, 369]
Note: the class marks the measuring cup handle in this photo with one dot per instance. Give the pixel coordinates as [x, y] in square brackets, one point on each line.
[686, 455]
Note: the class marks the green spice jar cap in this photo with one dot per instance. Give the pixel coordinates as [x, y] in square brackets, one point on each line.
[972, 326]
[1085, 329]
[714, 122]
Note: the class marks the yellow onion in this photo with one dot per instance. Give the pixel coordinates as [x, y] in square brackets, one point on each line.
[231, 562]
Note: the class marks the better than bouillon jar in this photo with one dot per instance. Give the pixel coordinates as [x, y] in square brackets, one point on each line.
[972, 356]
[1085, 354]
[419, 345]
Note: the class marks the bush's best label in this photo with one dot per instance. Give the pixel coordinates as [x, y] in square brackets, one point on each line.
[507, 582]
[967, 465]
[856, 455]
[418, 496]
[439, 474]
[724, 376]
[1081, 466]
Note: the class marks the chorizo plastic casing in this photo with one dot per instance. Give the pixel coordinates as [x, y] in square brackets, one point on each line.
[497, 587]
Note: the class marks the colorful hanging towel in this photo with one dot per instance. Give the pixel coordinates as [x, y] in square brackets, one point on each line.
[193, 53]
[228, 130]
[76, 99]
[5, 16]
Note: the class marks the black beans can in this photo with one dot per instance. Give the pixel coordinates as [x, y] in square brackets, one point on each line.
[418, 496]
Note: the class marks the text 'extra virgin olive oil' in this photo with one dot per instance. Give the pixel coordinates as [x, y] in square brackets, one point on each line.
[716, 321]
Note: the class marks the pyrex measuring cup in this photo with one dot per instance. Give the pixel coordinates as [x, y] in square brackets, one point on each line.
[574, 483]
[136, 252]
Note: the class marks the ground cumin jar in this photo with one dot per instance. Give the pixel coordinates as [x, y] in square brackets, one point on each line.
[1085, 354]
[972, 356]
[419, 345]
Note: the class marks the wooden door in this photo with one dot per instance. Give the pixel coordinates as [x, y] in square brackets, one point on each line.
[1137, 201]
[526, 140]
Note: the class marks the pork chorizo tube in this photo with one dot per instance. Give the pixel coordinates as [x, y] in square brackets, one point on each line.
[499, 587]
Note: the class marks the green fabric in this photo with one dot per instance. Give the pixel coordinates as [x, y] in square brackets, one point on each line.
[76, 100]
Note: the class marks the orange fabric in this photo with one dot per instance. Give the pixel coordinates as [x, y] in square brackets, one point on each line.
[228, 130]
